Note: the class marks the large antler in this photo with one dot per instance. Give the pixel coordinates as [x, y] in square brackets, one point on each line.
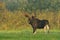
[26, 15]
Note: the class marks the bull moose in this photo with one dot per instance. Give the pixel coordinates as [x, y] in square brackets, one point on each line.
[38, 24]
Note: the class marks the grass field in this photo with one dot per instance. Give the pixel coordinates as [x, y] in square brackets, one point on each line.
[28, 35]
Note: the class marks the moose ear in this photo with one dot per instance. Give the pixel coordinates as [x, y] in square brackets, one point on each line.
[33, 16]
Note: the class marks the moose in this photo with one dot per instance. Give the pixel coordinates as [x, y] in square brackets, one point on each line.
[38, 24]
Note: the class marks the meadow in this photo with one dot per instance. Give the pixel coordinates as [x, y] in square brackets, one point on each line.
[28, 35]
[14, 25]
[13, 22]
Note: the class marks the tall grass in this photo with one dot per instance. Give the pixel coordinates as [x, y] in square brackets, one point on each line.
[17, 21]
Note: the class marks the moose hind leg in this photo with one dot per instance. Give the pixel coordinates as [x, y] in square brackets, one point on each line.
[47, 27]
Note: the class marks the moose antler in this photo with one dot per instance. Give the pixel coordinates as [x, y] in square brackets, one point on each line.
[26, 15]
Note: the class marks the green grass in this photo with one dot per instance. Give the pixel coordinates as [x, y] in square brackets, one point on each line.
[28, 35]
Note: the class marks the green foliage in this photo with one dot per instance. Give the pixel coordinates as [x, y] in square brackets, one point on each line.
[30, 5]
[12, 5]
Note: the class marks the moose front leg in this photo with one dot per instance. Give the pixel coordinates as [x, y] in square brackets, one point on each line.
[34, 30]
